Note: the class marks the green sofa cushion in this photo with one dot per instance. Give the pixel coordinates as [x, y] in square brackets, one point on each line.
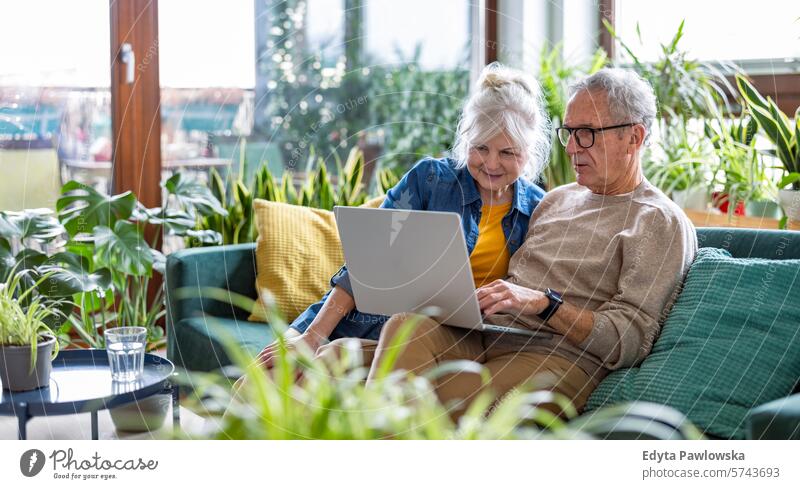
[201, 340]
[730, 343]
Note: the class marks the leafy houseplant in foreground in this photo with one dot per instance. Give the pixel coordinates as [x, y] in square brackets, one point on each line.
[306, 398]
[27, 344]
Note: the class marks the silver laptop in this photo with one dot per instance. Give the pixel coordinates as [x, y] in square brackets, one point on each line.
[411, 261]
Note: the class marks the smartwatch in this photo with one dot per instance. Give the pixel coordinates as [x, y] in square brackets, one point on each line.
[555, 302]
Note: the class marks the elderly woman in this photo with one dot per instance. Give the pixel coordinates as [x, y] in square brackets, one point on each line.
[501, 146]
[599, 267]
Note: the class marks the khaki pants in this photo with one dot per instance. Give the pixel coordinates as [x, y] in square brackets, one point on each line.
[432, 344]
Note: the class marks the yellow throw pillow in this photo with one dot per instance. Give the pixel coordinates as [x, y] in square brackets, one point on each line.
[297, 252]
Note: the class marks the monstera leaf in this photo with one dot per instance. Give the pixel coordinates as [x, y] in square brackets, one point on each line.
[7, 260]
[123, 249]
[37, 224]
[69, 274]
[193, 196]
[174, 221]
[81, 208]
[29, 258]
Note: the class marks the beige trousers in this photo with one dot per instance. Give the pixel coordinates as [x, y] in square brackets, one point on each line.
[432, 344]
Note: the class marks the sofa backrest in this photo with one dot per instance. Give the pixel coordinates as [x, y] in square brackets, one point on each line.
[752, 243]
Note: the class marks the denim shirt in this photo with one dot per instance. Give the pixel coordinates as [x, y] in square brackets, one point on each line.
[434, 185]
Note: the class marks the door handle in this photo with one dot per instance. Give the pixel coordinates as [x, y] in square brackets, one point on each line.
[129, 60]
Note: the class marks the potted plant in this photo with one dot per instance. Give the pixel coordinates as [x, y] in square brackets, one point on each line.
[785, 136]
[27, 344]
[108, 245]
[741, 173]
[679, 164]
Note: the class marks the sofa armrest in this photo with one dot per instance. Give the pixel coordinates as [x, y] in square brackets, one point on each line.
[775, 420]
[230, 267]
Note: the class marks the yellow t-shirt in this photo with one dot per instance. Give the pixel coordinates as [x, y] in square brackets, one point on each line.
[489, 258]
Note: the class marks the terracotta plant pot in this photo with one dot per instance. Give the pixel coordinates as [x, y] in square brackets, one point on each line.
[720, 201]
[15, 362]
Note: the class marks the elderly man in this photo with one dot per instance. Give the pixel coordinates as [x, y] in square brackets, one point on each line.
[600, 265]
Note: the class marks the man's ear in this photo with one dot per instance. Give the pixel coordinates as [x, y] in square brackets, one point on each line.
[637, 136]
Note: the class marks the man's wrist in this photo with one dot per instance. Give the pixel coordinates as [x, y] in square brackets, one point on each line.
[553, 302]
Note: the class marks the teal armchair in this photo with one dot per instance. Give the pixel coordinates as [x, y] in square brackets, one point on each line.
[197, 326]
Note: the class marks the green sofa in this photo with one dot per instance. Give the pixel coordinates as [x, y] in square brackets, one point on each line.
[196, 326]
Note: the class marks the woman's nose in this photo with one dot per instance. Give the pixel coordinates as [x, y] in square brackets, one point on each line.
[491, 162]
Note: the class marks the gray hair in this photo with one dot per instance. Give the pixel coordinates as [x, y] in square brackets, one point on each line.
[507, 100]
[630, 97]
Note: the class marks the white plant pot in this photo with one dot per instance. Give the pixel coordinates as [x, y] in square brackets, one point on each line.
[144, 415]
[762, 209]
[790, 201]
[694, 199]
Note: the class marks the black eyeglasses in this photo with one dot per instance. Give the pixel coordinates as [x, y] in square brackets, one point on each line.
[584, 136]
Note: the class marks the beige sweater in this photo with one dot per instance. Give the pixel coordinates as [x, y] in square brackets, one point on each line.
[621, 256]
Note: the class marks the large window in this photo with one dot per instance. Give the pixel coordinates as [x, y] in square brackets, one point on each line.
[55, 119]
[737, 30]
[245, 82]
[207, 75]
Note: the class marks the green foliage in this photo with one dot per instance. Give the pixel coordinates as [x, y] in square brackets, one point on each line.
[30, 225]
[555, 76]
[685, 88]
[777, 127]
[22, 235]
[387, 179]
[680, 160]
[722, 157]
[22, 321]
[80, 208]
[319, 190]
[123, 249]
[416, 111]
[108, 264]
[333, 104]
[741, 171]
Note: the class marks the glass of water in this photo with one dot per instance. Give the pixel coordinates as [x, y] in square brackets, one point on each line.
[125, 346]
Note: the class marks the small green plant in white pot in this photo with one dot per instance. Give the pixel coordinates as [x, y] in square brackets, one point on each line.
[27, 345]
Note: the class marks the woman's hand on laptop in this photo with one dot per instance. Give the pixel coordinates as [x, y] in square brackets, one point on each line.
[502, 296]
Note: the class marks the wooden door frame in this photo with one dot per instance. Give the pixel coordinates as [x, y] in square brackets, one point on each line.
[135, 107]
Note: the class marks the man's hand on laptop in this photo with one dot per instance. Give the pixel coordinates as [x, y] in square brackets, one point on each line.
[293, 340]
[502, 296]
